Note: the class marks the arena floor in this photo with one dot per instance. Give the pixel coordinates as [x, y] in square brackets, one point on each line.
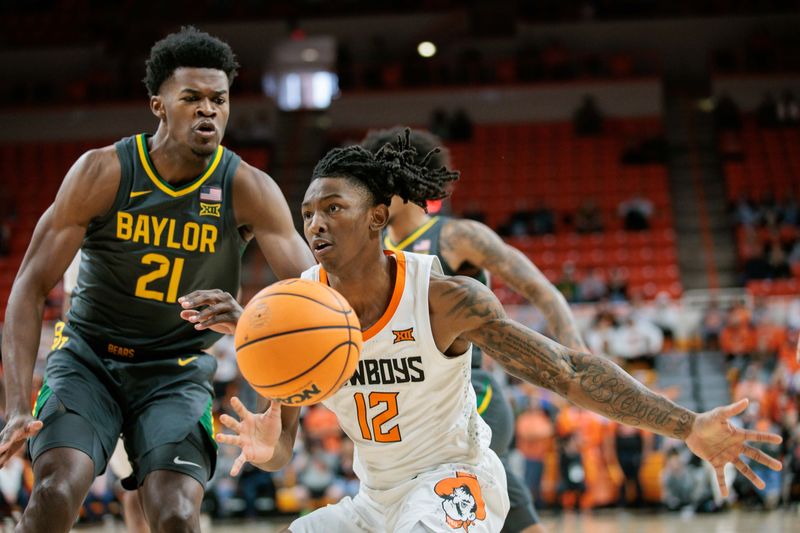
[781, 521]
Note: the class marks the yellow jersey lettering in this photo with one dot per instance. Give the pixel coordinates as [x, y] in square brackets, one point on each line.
[120, 350]
[191, 234]
[124, 225]
[158, 228]
[142, 231]
[208, 238]
[171, 236]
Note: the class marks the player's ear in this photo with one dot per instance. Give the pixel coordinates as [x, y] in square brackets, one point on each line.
[157, 107]
[380, 217]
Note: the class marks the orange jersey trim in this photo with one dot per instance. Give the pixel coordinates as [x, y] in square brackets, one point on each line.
[397, 294]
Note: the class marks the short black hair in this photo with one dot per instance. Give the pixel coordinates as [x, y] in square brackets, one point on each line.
[188, 47]
[423, 141]
[394, 169]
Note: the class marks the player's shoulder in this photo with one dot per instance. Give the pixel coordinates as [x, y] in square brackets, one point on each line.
[103, 161]
[443, 288]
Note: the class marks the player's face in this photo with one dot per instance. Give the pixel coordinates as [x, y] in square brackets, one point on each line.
[193, 104]
[339, 222]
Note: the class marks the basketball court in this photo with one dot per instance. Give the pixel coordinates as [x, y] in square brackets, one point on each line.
[780, 521]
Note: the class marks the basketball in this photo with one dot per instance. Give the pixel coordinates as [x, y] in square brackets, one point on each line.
[297, 341]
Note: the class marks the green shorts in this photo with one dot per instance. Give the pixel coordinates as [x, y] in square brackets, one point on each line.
[161, 407]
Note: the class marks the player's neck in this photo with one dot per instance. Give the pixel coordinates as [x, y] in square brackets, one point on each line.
[174, 163]
[367, 285]
[402, 227]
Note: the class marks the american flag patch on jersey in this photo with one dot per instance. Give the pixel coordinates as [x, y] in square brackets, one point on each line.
[211, 194]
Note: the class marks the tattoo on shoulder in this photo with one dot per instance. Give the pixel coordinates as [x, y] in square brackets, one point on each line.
[467, 298]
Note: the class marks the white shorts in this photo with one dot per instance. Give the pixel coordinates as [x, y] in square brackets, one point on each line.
[451, 498]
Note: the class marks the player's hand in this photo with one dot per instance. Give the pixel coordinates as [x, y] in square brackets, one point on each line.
[255, 434]
[716, 440]
[211, 309]
[19, 428]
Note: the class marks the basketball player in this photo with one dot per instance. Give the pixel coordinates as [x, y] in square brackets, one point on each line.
[469, 248]
[155, 217]
[422, 450]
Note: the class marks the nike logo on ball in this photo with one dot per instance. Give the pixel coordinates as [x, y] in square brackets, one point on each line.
[178, 461]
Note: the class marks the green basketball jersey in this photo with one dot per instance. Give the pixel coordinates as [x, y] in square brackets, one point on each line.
[426, 240]
[157, 243]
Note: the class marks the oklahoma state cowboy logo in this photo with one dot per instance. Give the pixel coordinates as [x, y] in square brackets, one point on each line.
[462, 500]
[401, 335]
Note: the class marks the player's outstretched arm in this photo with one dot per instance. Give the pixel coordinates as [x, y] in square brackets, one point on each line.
[260, 206]
[266, 439]
[469, 240]
[88, 191]
[463, 309]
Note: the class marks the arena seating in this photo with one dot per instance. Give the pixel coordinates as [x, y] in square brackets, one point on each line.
[505, 165]
[763, 165]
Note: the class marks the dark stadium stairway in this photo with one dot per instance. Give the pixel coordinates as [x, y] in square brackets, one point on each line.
[706, 250]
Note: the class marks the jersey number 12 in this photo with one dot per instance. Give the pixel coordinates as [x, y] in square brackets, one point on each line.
[389, 399]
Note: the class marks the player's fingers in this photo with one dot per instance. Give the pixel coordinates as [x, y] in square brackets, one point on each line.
[747, 472]
[239, 408]
[200, 297]
[274, 410]
[238, 464]
[32, 428]
[723, 488]
[189, 314]
[227, 438]
[761, 457]
[762, 436]
[231, 423]
[735, 408]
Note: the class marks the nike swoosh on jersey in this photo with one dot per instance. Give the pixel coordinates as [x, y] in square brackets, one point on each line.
[184, 362]
[179, 461]
[134, 194]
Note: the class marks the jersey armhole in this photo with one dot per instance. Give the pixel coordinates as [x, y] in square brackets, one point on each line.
[426, 328]
[125, 185]
[231, 166]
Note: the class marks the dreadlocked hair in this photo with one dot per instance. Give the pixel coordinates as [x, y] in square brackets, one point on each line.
[394, 169]
[423, 141]
[188, 47]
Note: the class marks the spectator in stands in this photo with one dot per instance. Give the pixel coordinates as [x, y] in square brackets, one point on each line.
[636, 212]
[618, 285]
[684, 485]
[746, 212]
[572, 482]
[587, 120]
[769, 339]
[632, 447]
[598, 338]
[663, 313]
[567, 284]
[637, 341]
[534, 438]
[787, 110]
[737, 339]
[711, 326]
[726, 114]
[542, 219]
[588, 218]
[460, 126]
[592, 287]
[519, 223]
[793, 314]
[777, 261]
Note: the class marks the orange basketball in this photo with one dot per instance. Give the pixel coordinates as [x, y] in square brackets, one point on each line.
[298, 341]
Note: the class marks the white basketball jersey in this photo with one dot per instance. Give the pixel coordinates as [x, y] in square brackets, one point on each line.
[408, 407]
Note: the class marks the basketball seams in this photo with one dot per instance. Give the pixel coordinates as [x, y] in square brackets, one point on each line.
[306, 371]
[326, 306]
[300, 330]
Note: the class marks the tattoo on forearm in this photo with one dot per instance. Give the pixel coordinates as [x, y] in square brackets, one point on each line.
[590, 381]
[519, 274]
